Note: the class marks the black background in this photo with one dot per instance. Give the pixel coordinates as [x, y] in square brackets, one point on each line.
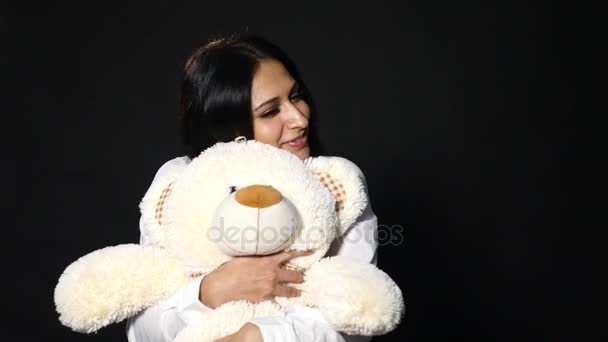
[461, 115]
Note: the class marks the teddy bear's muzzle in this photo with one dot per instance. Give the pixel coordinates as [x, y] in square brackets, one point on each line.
[258, 196]
[255, 220]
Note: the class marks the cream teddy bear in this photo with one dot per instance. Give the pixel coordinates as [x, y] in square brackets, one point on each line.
[237, 198]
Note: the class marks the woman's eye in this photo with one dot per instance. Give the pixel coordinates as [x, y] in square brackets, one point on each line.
[270, 113]
[296, 97]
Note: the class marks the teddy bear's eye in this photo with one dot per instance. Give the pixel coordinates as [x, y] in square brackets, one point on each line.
[231, 189]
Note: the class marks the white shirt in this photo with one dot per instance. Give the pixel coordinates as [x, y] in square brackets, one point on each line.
[164, 320]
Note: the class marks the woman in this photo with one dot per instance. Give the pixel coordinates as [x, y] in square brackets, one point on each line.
[245, 86]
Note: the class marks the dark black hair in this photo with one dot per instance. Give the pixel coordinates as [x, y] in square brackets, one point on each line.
[216, 91]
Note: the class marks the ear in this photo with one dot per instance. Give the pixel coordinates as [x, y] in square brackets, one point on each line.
[346, 182]
[153, 204]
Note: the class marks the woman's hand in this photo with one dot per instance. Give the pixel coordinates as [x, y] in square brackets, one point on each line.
[252, 278]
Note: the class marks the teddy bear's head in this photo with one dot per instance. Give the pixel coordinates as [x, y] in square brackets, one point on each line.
[246, 198]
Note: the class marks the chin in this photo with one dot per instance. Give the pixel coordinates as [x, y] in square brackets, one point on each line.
[303, 153]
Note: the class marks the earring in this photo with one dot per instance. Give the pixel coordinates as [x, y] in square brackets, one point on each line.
[240, 139]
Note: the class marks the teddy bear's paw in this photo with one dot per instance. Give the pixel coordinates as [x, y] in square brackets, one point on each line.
[225, 320]
[111, 284]
[355, 297]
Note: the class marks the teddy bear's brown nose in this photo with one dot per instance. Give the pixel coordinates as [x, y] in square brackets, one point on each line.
[258, 196]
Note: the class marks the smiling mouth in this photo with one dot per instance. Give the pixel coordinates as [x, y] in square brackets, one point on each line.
[299, 141]
[294, 139]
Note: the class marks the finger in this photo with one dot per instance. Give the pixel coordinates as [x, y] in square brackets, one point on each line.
[283, 257]
[289, 276]
[286, 291]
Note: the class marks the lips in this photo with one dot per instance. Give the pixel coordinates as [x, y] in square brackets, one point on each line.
[298, 141]
[296, 138]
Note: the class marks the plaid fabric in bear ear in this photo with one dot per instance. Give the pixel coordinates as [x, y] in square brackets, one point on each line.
[158, 214]
[335, 187]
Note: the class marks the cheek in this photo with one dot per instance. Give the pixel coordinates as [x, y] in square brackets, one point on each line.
[267, 131]
[303, 108]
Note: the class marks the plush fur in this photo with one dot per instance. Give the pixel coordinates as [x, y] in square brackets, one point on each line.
[112, 284]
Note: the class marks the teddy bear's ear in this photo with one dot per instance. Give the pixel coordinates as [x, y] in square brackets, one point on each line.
[153, 204]
[346, 182]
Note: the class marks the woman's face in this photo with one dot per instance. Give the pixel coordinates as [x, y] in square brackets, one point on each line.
[280, 116]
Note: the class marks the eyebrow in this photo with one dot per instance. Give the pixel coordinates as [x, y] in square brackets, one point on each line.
[274, 99]
[294, 87]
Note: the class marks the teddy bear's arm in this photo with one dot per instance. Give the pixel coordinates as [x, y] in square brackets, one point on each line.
[114, 283]
[356, 298]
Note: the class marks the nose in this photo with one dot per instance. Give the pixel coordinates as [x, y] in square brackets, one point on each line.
[258, 196]
[296, 118]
